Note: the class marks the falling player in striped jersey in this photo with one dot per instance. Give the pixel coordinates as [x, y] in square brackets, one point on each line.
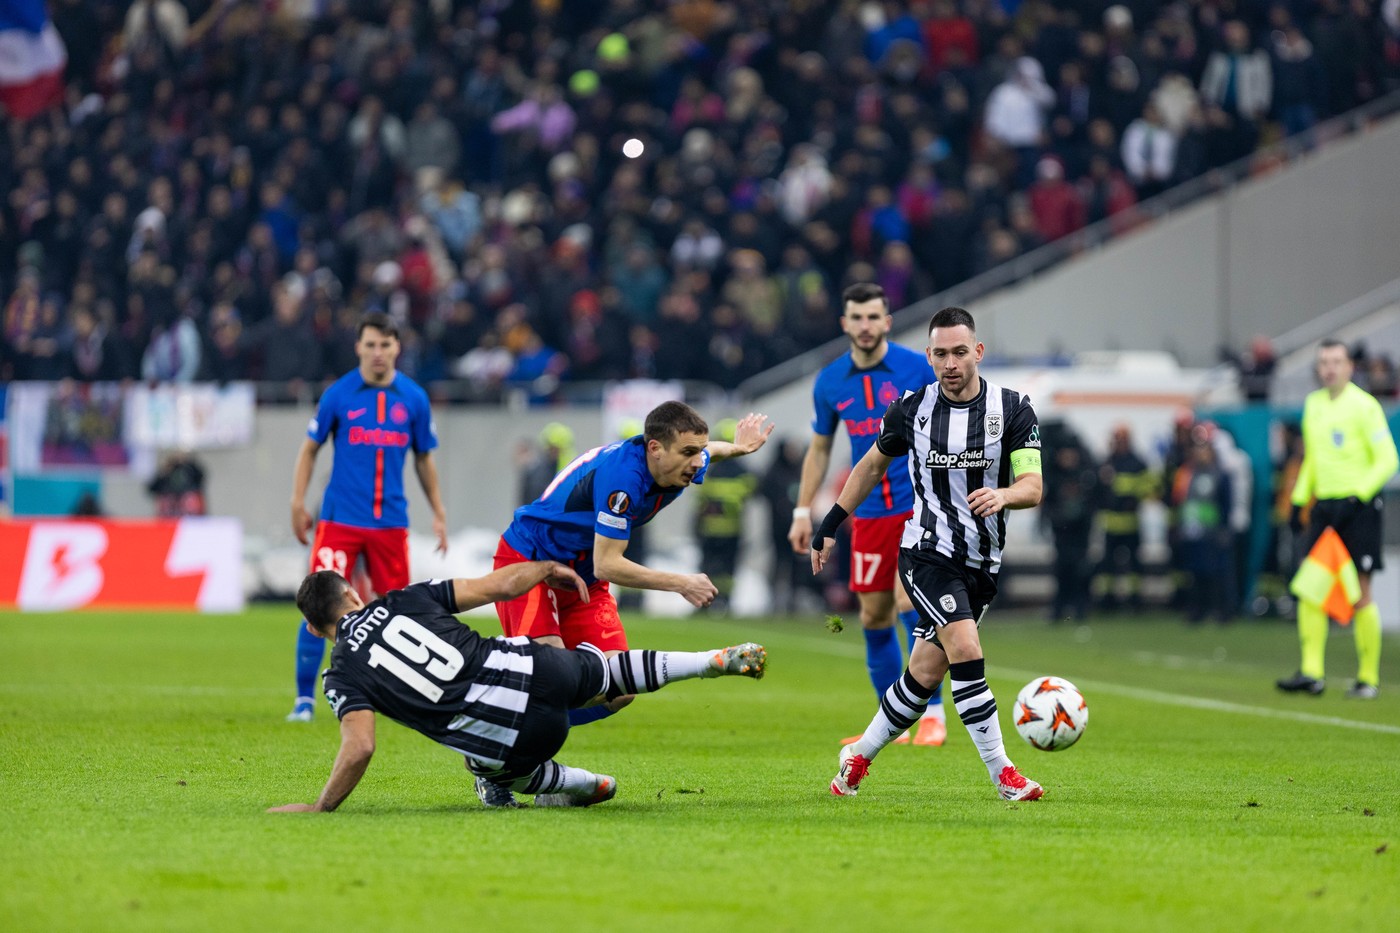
[973, 450]
[854, 390]
[501, 703]
[374, 414]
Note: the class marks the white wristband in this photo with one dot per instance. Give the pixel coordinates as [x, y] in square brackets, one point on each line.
[802, 512]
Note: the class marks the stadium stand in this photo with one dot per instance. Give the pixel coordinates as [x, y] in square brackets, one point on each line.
[228, 185]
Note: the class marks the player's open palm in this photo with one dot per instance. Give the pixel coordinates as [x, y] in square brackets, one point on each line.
[750, 432]
[698, 590]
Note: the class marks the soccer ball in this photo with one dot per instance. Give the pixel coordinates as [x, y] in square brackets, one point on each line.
[1051, 713]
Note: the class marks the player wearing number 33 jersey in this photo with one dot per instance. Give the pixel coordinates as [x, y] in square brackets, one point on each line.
[374, 416]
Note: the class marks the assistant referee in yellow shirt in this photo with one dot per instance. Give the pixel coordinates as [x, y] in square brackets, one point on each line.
[1348, 456]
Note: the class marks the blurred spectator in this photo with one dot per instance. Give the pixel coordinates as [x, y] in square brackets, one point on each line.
[1380, 377]
[96, 353]
[1200, 500]
[225, 354]
[791, 574]
[1054, 202]
[284, 345]
[178, 486]
[175, 350]
[1070, 513]
[1300, 83]
[1126, 483]
[1149, 153]
[1106, 193]
[1256, 368]
[1238, 85]
[554, 450]
[1016, 113]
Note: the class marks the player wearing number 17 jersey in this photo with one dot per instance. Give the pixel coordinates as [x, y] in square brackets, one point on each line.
[973, 449]
[374, 415]
[855, 390]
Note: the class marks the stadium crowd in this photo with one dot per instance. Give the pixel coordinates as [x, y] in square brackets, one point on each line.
[229, 184]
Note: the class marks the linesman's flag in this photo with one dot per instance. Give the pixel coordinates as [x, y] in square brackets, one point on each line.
[32, 59]
[1327, 578]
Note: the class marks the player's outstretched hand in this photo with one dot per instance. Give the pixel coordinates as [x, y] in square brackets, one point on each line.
[440, 531]
[819, 555]
[697, 590]
[564, 578]
[301, 524]
[292, 808]
[750, 433]
[987, 501]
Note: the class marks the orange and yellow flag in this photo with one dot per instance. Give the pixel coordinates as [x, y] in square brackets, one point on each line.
[1327, 578]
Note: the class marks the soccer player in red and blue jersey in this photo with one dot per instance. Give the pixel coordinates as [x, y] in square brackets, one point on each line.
[586, 516]
[376, 415]
[855, 390]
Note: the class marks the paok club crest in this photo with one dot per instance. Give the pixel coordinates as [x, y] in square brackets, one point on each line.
[993, 425]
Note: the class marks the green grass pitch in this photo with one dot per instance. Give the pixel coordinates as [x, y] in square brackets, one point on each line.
[139, 753]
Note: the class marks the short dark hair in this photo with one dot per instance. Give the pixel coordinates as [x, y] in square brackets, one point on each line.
[1331, 342]
[320, 597]
[952, 317]
[862, 292]
[668, 419]
[380, 322]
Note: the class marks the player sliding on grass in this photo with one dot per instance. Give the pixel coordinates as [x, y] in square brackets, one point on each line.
[973, 450]
[500, 702]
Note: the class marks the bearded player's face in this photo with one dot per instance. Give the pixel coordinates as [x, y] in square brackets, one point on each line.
[866, 323]
[378, 353]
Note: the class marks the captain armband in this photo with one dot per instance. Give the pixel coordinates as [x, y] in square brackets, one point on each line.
[1025, 460]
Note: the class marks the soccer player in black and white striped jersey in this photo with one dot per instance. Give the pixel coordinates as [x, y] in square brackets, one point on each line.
[501, 703]
[974, 451]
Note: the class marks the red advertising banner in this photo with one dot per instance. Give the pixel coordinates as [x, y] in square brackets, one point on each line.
[187, 563]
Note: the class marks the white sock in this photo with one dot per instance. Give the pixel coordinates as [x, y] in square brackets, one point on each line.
[978, 710]
[899, 708]
[642, 671]
[554, 778]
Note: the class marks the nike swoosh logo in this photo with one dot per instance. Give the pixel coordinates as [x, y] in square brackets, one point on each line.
[356, 412]
[842, 406]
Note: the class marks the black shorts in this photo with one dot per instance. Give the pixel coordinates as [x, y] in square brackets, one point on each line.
[562, 680]
[944, 590]
[1359, 527]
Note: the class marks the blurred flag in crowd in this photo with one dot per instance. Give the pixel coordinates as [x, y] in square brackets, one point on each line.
[32, 58]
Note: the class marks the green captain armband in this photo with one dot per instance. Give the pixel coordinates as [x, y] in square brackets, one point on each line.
[1025, 460]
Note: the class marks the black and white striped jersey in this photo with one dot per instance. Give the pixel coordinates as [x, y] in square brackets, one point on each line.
[407, 656]
[955, 448]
